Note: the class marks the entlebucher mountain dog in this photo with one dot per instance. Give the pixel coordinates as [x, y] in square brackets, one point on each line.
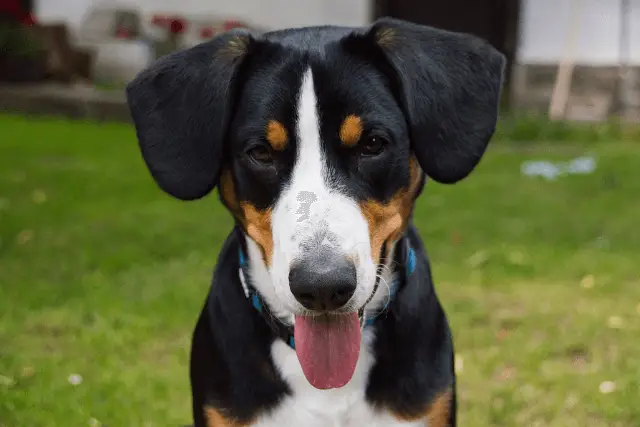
[321, 311]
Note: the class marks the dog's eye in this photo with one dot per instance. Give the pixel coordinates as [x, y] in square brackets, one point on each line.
[260, 154]
[373, 145]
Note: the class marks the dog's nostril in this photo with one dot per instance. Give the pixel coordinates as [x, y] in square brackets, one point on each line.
[324, 282]
[342, 294]
[341, 297]
[306, 298]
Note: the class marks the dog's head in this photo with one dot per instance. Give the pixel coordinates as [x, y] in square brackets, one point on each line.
[318, 140]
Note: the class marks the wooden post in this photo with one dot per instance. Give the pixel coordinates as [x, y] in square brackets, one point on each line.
[625, 81]
[562, 87]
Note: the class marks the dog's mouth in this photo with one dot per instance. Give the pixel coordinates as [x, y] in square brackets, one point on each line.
[328, 346]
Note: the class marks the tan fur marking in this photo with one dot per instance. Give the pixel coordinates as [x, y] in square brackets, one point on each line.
[277, 135]
[227, 191]
[216, 419]
[258, 226]
[236, 47]
[256, 222]
[383, 221]
[388, 221]
[385, 37]
[438, 411]
[435, 415]
[351, 130]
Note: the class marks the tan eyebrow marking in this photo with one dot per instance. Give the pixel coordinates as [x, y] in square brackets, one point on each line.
[351, 130]
[277, 135]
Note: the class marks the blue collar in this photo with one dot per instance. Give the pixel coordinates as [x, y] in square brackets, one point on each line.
[285, 332]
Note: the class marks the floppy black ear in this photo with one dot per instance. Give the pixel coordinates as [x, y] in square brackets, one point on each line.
[449, 85]
[180, 108]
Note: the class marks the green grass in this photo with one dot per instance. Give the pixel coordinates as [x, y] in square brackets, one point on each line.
[533, 127]
[103, 276]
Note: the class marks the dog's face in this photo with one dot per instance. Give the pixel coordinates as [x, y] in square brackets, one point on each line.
[320, 175]
[319, 140]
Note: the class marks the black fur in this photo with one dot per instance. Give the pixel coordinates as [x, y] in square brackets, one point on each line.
[181, 108]
[430, 93]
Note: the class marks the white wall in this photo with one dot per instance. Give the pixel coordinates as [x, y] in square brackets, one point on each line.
[544, 27]
[117, 60]
[268, 14]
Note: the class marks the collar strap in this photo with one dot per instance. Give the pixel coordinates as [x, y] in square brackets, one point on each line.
[282, 330]
[285, 332]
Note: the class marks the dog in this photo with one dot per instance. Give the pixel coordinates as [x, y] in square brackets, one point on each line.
[322, 310]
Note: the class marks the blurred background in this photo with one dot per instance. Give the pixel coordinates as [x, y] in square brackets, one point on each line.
[102, 44]
[535, 256]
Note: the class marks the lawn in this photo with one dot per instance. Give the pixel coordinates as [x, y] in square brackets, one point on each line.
[102, 277]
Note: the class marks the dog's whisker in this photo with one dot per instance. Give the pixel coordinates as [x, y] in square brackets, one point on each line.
[385, 268]
[388, 296]
[385, 282]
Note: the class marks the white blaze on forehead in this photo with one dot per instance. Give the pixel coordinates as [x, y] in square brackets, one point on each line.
[303, 206]
[309, 171]
[310, 208]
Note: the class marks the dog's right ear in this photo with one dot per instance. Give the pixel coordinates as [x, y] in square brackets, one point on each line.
[449, 85]
[181, 107]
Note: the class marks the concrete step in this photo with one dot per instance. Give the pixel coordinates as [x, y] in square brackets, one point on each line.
[631, 115]
[591, 107]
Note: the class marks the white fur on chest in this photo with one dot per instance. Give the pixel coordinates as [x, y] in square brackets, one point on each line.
[310, 407]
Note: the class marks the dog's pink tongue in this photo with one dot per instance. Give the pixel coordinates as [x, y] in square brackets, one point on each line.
[328, 348]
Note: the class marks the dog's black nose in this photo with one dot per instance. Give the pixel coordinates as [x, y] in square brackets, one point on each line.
[323, 281]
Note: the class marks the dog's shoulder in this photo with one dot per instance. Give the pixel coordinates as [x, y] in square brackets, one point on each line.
[231, 368]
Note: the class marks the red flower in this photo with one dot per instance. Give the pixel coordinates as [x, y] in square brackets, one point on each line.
[11, 8]
[177, 26]
[122, 33]
[14, 9]
[206, 32]
[28, 20]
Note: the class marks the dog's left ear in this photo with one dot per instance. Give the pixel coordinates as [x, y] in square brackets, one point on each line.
[181, 106]
[449, 86]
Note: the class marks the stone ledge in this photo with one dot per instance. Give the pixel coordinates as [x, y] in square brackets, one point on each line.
[76, 101]
[595, 91]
